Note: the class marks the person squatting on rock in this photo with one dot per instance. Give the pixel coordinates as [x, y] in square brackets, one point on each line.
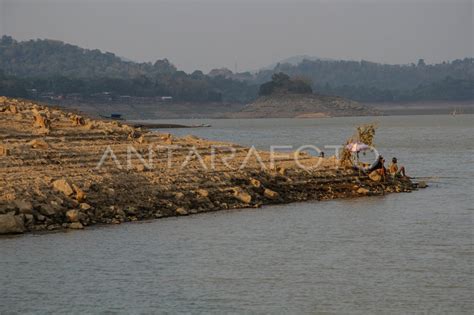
[396, 171]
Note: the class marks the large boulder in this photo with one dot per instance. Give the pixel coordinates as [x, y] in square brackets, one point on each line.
[63, 186]
[241, 195]
[10, 224]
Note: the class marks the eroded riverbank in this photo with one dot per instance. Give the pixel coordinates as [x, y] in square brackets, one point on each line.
[50, 177]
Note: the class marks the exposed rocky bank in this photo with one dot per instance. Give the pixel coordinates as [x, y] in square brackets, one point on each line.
[49, 179]
[303, 106]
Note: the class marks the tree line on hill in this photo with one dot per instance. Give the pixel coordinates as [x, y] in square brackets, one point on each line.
[48, 66]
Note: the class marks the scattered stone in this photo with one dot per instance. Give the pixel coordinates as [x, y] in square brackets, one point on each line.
[10, 224]
[75, 226]
[374, 176]
[52, 227]
[141, 139]
[282, 171]
[422, 184]
[77, 120]
[130, 210]
[141, 168]
[72, 215]
[166, 136]
[255, 183]
[23, 206]
[242, 195]
[3, 150]
[181, 211]
[80, 195]
[203, 192]
[29, 218]
[47, 210]
[13, 109]
[32, 192]
[63, 186]
[40, 121]
[179, 195]
[270, 194]
[6, 208]
[39, 144]
[84, 206]
[89, 125]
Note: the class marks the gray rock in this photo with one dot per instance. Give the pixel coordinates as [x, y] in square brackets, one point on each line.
[23, 206]
[10, 224]
[130, 210]
[6, 208]
[422, 184]
[47, 210]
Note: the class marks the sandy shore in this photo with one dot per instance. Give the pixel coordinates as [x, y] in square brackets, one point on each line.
[51, 175]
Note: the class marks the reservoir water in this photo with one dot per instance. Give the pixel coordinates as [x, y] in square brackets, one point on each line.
[400, 253]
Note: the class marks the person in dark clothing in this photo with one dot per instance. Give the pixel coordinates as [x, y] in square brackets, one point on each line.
[379, 167]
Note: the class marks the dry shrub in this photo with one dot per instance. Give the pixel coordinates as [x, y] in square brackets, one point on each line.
[365, 134]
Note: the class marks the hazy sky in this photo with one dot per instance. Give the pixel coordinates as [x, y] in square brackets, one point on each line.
[205, 34]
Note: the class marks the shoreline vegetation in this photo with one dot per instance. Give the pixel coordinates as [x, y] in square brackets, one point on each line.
[50, 179]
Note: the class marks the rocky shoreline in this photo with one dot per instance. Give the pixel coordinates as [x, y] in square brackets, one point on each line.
[50, 177]
[303, 106]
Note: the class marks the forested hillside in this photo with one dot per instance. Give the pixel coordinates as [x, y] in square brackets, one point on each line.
[54, 67]
[369, 81]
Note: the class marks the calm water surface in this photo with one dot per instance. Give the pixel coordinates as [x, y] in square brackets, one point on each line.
[402, 253]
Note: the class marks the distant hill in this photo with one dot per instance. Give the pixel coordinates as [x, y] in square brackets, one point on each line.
[302, 106]
[56, 68]
[373, 82]
[371, 74]
[45, 57]
[283, 97]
